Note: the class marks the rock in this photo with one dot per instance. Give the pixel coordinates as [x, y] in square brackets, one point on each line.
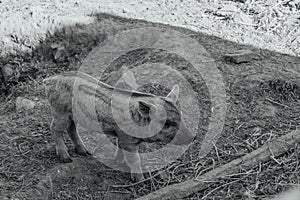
[241, 56]
[24, 103]
[54, 45]
[7, 72]
[164, 176]
[244, 18]
[59, 52]
[60, 55]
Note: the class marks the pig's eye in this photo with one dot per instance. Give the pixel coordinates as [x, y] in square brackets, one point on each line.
[170, 123]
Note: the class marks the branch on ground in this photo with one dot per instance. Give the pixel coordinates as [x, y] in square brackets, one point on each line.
[270, 150]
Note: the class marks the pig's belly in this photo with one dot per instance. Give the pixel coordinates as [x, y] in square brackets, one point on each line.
[86, 117]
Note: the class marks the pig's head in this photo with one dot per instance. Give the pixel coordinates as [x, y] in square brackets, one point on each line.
[163, 116]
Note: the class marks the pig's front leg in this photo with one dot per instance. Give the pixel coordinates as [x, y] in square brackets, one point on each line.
[132, 160]
[119, 155]
[76, 139]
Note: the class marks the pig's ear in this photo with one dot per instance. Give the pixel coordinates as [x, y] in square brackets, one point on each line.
[130, 79]
[145, 109]
[173, 95]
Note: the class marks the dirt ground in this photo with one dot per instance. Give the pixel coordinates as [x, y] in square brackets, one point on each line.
[263, 103]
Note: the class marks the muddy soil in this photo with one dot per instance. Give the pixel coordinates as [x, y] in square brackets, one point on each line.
[263, 103]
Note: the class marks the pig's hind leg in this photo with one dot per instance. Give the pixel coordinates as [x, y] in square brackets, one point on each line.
[58, 127]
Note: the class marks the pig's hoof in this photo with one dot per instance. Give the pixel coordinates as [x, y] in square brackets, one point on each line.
[82, 151]
[64, 157]
[137, 177]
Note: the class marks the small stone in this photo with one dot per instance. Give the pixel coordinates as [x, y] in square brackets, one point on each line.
[54, 45]
[244, 18]
[164, 175]
[60, 55]
[24, 103]
[7, 72]
[241, 56]
[59, 52]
